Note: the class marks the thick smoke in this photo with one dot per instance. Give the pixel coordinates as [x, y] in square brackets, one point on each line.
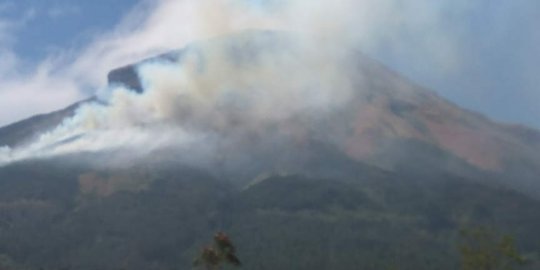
[219, 90]
[235, 83]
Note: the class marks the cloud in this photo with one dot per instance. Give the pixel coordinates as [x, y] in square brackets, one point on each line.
[26, 92]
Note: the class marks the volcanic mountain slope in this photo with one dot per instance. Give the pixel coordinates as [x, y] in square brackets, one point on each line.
[381, 177]
[389, 121]
[57, 216]
[17, 134]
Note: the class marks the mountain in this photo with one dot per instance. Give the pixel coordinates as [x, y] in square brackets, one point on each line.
[25, 131]
[388, 122]
[385, 179]
[391, 120]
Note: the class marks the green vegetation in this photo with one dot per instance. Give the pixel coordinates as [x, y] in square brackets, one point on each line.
[377, 220]
[483, 249]
[221, 253]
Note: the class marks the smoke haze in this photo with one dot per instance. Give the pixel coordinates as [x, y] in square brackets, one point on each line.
[303, 71]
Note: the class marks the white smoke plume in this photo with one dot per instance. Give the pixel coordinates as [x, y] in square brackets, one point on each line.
[241, 83]
[306, 71]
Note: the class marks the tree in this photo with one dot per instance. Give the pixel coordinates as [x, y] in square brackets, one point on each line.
[482, 249]
[214, 256]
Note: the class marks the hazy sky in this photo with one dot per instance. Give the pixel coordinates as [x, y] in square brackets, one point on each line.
[499, 70]
[483, 56]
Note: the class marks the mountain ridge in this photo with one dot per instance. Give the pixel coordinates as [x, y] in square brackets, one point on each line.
[385, 109]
